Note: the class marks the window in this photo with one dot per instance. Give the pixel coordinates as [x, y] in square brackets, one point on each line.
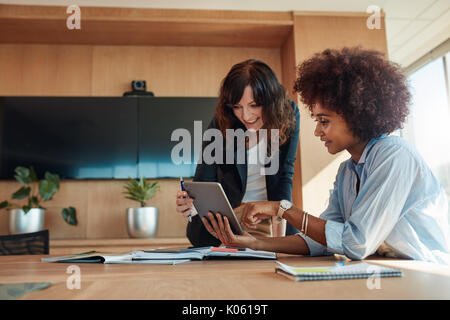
[428, 125]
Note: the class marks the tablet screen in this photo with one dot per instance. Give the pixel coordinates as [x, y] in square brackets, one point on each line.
[209, 196]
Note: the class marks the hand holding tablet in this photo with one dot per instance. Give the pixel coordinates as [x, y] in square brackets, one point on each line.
[210, 197]
[220, 228]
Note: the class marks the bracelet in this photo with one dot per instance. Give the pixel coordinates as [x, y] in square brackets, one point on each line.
[303, 222]
[306, 228]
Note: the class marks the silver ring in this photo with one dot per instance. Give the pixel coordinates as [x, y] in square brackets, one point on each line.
[214, 234]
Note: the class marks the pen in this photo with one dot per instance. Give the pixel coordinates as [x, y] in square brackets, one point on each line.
[182, 189]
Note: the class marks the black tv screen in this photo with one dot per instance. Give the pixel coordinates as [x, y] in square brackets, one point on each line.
[158, 119]
[97, 137]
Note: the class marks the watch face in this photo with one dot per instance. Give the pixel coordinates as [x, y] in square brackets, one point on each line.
[285, 204]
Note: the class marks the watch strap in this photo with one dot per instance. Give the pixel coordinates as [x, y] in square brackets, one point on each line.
[280, 213]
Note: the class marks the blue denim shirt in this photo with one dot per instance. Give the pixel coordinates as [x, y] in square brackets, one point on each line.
[400, 202]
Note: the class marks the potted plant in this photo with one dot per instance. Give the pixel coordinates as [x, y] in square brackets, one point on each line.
[30, 216]
[142, 222]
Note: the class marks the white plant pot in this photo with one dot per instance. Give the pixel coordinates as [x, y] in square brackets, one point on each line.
[142, 222]
[21, 222]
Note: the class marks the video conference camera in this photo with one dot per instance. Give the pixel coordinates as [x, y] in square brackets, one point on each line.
[139, 88]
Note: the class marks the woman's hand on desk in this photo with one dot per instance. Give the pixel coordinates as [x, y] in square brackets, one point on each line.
[184, 203]
[252, 213]
[219, 227]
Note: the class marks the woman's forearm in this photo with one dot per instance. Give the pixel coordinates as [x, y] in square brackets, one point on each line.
[315, 226]
[278, 228]
[291, 244]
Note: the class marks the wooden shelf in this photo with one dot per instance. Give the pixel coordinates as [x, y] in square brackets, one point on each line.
[125, 26]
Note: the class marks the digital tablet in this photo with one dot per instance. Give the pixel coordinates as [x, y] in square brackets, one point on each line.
[209, 196]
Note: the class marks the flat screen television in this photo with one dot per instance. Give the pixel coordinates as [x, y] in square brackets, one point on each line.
[98, 137]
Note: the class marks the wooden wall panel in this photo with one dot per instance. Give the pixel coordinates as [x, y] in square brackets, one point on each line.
[45, 70]
[170, 71]
[107, 209]
[101, 208]
[82, 70]
[289, 76]
[316, 33]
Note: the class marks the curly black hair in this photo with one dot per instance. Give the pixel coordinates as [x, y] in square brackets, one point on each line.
[370, 92]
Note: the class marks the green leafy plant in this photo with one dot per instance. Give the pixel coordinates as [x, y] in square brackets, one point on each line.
[37, 191]
[140, 190]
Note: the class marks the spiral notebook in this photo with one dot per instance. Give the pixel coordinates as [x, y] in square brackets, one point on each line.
[352, 271]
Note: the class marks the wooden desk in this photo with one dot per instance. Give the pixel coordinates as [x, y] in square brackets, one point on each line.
[219, 279]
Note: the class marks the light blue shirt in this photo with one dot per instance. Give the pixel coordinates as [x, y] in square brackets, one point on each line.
[400, 202]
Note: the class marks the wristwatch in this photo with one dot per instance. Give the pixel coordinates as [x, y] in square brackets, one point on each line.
[284, 205]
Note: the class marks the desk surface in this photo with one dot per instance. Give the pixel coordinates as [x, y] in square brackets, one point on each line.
[219, 279]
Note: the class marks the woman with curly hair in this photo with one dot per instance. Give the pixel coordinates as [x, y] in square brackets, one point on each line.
[385, 197]
[251, 99]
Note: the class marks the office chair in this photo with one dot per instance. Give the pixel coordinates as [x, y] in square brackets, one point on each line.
[25, 243]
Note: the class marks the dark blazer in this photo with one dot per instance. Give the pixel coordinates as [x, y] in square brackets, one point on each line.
[233, 178]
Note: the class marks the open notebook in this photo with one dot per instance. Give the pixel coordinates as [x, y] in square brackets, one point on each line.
[164, 256]
[352, 271]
